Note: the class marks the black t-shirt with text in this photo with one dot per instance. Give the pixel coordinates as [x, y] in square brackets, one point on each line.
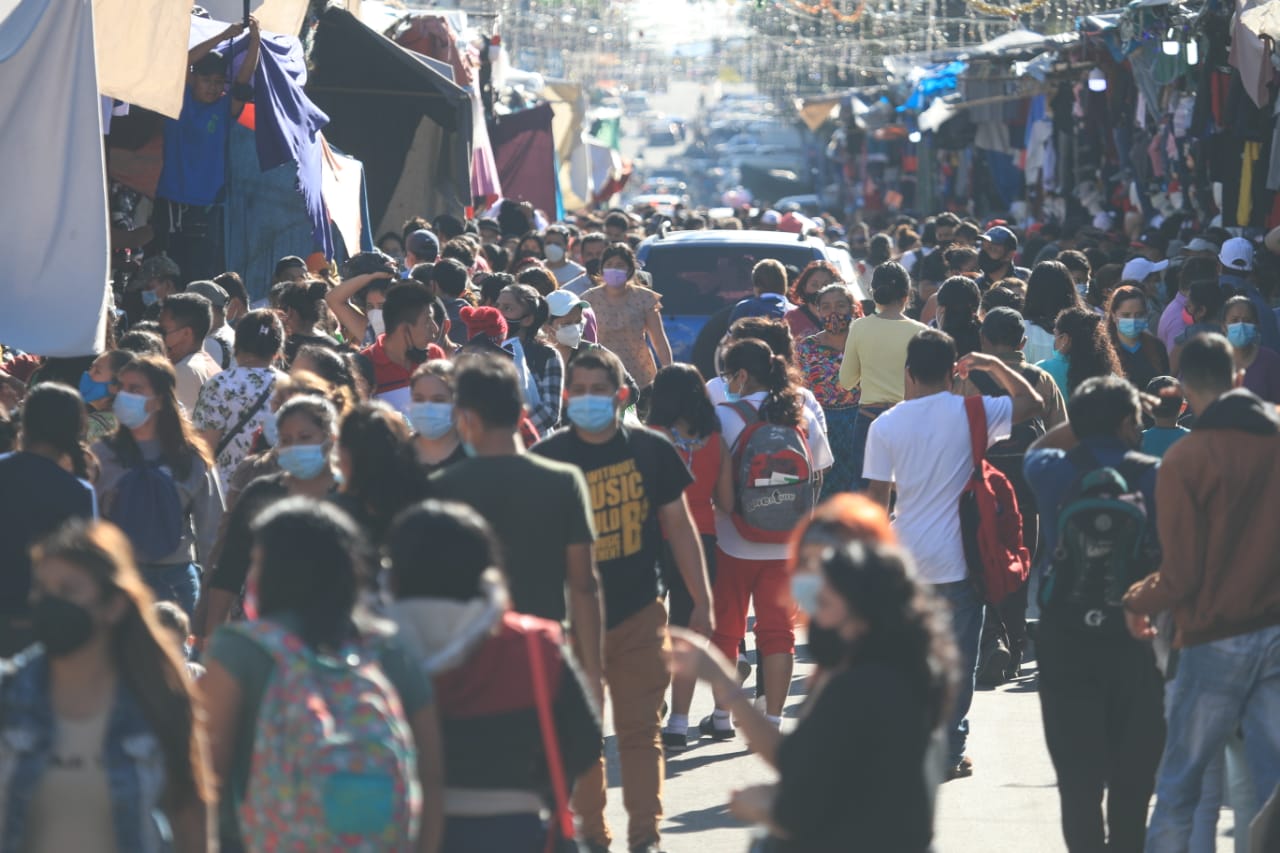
[629, 477]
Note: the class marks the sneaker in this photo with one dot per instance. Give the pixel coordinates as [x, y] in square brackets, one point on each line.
[962, 770]
[1014, 669]
[992, 667]
[673, 741]
[708, 728]
[647, 847]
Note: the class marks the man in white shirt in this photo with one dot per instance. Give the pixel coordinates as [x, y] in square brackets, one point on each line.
[921, 448]
[184, 321]
[220, 342]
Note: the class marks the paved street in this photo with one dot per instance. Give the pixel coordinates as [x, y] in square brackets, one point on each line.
[1009, 805]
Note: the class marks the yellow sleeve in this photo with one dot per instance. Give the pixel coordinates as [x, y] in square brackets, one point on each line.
[851, 367]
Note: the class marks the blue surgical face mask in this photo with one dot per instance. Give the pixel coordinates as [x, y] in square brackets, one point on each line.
[271, 429]
[1242, 334]
[1131, 327]
[303, 461]
[131, 409]
[590, 412]
[730, 396]
[91, 391]
[804, 590]
[431, 420]
[150, 297]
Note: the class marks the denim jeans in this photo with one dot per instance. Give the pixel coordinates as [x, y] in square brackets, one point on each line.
[179, 584]
[858, 448]
[1220, 685]
[966, 625]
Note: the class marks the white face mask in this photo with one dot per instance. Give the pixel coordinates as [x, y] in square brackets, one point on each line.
[376, 321]
[571, 335]
[554, 253]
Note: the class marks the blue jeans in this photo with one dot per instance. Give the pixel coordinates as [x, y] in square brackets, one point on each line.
[858, 444]
[179, 584]
[966, 626]
[1220, 685]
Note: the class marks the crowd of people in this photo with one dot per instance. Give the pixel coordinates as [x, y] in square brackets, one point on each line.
[357, 565]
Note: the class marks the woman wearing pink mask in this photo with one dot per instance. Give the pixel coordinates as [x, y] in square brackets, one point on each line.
[628, 315]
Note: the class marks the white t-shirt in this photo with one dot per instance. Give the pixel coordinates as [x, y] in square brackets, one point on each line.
[727, 535]
[716, 390]
[923, 447]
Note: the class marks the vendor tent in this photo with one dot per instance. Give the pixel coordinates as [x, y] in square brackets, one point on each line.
[408, 124]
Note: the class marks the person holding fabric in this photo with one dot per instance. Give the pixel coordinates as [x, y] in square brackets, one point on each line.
[819, 358]
[629, 315]
[1142, 355]
[103, 747]
[233, 404]
[188, 219]
[874, 355]
[154, 450]
[538, 364]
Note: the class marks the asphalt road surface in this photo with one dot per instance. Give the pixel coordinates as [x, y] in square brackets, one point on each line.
[1009, 805]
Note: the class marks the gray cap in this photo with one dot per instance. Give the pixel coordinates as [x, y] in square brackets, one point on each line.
[209, 290]
[424, 245]
[160, 266]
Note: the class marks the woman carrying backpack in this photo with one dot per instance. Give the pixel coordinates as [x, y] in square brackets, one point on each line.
[751, 563]
[452, 608]
[102, 750]
[310, 662]
[680, 409]
[158, 483]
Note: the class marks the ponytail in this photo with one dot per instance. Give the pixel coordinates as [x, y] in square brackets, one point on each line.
[782, 404]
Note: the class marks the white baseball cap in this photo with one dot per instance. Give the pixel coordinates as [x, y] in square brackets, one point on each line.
[561, 302]
[1237, 254]
[770, 217]
[1139, 269]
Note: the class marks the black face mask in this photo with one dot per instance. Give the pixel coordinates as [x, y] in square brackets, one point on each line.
[826, 646]
[415, 354]
[987, 265]
[61, 626]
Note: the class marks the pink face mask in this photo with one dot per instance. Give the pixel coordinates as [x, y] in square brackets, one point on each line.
[614, 277]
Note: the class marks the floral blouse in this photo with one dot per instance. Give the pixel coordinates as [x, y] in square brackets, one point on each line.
[621, 327]
[820, 367]
[223, 400]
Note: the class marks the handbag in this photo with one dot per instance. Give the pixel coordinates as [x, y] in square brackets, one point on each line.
[245, 417]
[560, 835]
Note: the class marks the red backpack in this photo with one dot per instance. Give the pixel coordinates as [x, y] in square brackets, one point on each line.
[990, 522]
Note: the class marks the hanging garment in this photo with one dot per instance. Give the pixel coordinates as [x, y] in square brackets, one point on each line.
[51, 159]
[1244, 206]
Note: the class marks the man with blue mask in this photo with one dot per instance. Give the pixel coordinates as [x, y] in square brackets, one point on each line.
[637, 481]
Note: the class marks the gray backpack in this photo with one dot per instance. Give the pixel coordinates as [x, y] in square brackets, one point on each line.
[773, 480]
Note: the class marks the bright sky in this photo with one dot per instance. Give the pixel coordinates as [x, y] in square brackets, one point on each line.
[672, 22]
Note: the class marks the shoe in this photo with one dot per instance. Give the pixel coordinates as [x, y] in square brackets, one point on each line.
[1014, 669]
[648, 847]
[675, 741]
[992, 667]
[708, 728]
[963, 770]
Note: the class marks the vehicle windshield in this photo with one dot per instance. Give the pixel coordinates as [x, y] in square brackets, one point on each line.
[700, 280]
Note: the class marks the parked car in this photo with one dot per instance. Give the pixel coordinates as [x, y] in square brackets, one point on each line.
[701, 275]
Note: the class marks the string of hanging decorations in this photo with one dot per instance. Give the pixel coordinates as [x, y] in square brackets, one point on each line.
[1006, 11]
[829, 6]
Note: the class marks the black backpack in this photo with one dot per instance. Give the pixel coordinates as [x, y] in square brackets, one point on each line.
[1106, 542]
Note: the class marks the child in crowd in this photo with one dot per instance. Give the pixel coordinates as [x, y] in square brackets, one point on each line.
[1159, 438]
[174, 620]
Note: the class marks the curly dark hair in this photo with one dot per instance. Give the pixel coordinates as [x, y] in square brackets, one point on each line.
[905, 625]
[678, 392]
[1091, 352]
